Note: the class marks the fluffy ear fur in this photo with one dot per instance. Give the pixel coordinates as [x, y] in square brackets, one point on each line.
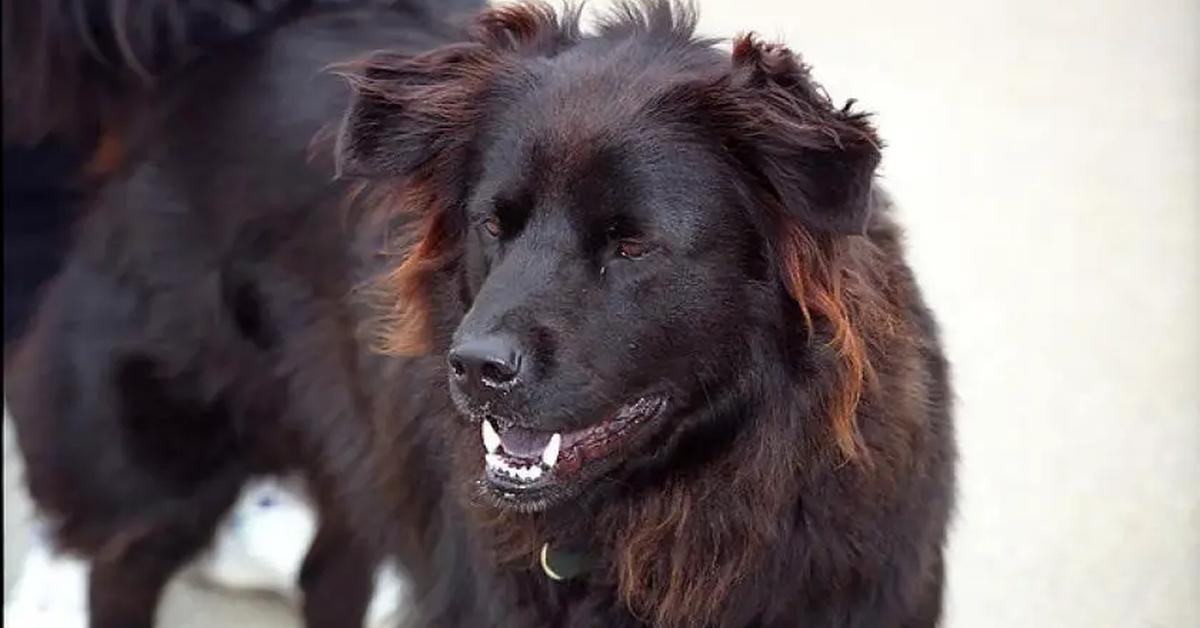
[415, 111]
[409, 112]
[819, 161]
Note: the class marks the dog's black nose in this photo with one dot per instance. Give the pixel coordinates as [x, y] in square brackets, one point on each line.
[487, 362]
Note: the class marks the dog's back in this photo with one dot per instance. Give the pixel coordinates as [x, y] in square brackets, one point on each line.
[163, 312]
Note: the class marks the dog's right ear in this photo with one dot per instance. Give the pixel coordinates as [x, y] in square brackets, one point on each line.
[412, 113]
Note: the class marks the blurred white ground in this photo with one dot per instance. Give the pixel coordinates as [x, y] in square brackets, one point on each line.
[1047, 159]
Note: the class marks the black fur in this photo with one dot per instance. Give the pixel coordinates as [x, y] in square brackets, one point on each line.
[629, 214]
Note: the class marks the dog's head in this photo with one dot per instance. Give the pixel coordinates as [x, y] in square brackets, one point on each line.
[634, 221]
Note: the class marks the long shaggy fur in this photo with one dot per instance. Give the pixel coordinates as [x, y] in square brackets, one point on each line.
[306, 326]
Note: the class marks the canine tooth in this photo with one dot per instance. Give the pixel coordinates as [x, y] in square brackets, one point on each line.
[550, 454]
[494, 461]
[491, 440]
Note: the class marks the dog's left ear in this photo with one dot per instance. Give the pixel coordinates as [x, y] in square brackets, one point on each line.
[818, 160]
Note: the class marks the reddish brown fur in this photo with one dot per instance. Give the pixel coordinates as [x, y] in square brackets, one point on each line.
[815, 281]
[403, 328]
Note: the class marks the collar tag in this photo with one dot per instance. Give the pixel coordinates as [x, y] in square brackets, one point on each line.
[560, 565]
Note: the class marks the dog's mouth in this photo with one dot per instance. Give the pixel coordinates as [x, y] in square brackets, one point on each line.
[521, 462]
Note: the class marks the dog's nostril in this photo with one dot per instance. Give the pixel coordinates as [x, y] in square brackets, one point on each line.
[456, 367]
[497, 373]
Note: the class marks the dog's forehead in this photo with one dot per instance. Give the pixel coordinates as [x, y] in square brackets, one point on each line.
[591, 180]
[581, 106]
[586, 141]
[628, 168]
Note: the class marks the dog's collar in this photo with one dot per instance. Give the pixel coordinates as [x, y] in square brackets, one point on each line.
[561, 564]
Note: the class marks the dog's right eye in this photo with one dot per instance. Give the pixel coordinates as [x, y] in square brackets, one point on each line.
[631, 248]
[492, 226]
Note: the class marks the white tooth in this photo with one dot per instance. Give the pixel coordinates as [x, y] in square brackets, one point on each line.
[550, 454]
[498, 463]
[491, 440]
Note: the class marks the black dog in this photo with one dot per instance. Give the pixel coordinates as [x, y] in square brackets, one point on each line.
[656, 279]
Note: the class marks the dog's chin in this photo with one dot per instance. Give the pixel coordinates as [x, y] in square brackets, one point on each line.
[529, 470]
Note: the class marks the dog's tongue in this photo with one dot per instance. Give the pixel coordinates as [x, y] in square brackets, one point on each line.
[524, 443]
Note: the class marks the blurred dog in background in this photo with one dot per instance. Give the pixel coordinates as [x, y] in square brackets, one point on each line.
[76, 73]
[89, 91]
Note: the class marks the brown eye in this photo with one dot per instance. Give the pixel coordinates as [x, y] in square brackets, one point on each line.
[632, 249]
[492, 226]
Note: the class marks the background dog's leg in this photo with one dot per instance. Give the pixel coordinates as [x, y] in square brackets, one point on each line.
[337, 578]
[128, 578]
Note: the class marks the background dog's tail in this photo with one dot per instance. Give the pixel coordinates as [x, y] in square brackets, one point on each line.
[69, 65]
[72, 65]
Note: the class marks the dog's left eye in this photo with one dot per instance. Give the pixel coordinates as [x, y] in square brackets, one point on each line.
[630, 248]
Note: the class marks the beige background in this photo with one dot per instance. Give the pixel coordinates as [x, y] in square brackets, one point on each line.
[1047, 158]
